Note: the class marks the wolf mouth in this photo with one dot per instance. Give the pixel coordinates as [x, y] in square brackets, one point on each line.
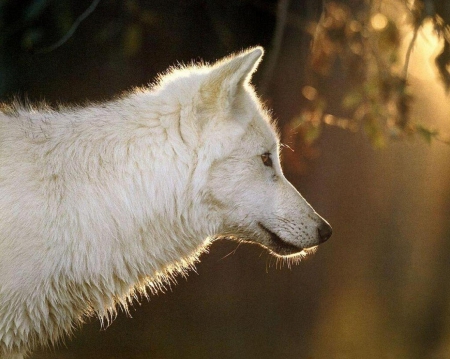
[280, 246]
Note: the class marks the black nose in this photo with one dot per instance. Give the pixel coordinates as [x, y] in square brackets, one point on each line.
[325, 231]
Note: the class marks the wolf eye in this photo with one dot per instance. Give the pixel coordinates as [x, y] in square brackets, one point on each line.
[267, 160]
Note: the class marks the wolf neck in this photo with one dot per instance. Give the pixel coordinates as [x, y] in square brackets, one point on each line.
[136, 228]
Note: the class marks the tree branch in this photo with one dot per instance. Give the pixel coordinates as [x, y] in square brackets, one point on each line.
[282, 12]
[72, 30]
[409, 51]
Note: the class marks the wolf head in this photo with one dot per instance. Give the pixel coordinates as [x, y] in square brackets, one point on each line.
[234, 142]
[239, 146]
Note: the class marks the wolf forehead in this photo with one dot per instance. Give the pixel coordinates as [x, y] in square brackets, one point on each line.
[222, 89]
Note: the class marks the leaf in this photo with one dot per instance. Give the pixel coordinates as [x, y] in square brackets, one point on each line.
[374, 132]
[352, 100]
[312, 133]
[426, 133]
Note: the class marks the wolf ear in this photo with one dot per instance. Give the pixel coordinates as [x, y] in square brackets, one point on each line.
[228, 77]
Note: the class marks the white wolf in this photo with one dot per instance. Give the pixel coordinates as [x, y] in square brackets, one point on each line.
[99, 203]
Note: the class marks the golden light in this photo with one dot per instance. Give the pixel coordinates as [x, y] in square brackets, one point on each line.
[309, 93]
[426, 48]
[379, 21]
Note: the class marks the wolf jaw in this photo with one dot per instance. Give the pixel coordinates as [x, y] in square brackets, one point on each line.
[278, 245]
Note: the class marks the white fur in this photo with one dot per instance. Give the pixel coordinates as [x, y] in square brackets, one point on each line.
[101, 203]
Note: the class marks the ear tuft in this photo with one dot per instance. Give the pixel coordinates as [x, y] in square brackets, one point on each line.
[250, 60]
[239, 68]
[229, 75]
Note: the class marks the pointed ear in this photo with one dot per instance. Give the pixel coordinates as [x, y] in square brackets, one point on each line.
[229, 75]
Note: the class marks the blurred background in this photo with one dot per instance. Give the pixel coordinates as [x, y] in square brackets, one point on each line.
[359, 89]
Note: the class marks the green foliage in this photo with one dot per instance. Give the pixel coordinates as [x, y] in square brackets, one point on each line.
[429, 134]
[358, 47]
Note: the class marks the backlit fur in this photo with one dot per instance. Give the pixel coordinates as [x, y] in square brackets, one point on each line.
[103, 202]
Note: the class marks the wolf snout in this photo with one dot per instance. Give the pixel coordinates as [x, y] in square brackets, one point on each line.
[324, 230]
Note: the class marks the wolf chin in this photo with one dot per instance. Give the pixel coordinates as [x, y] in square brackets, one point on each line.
[102, 203]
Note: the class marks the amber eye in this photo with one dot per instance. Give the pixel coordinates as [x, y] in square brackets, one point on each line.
[266, 159]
